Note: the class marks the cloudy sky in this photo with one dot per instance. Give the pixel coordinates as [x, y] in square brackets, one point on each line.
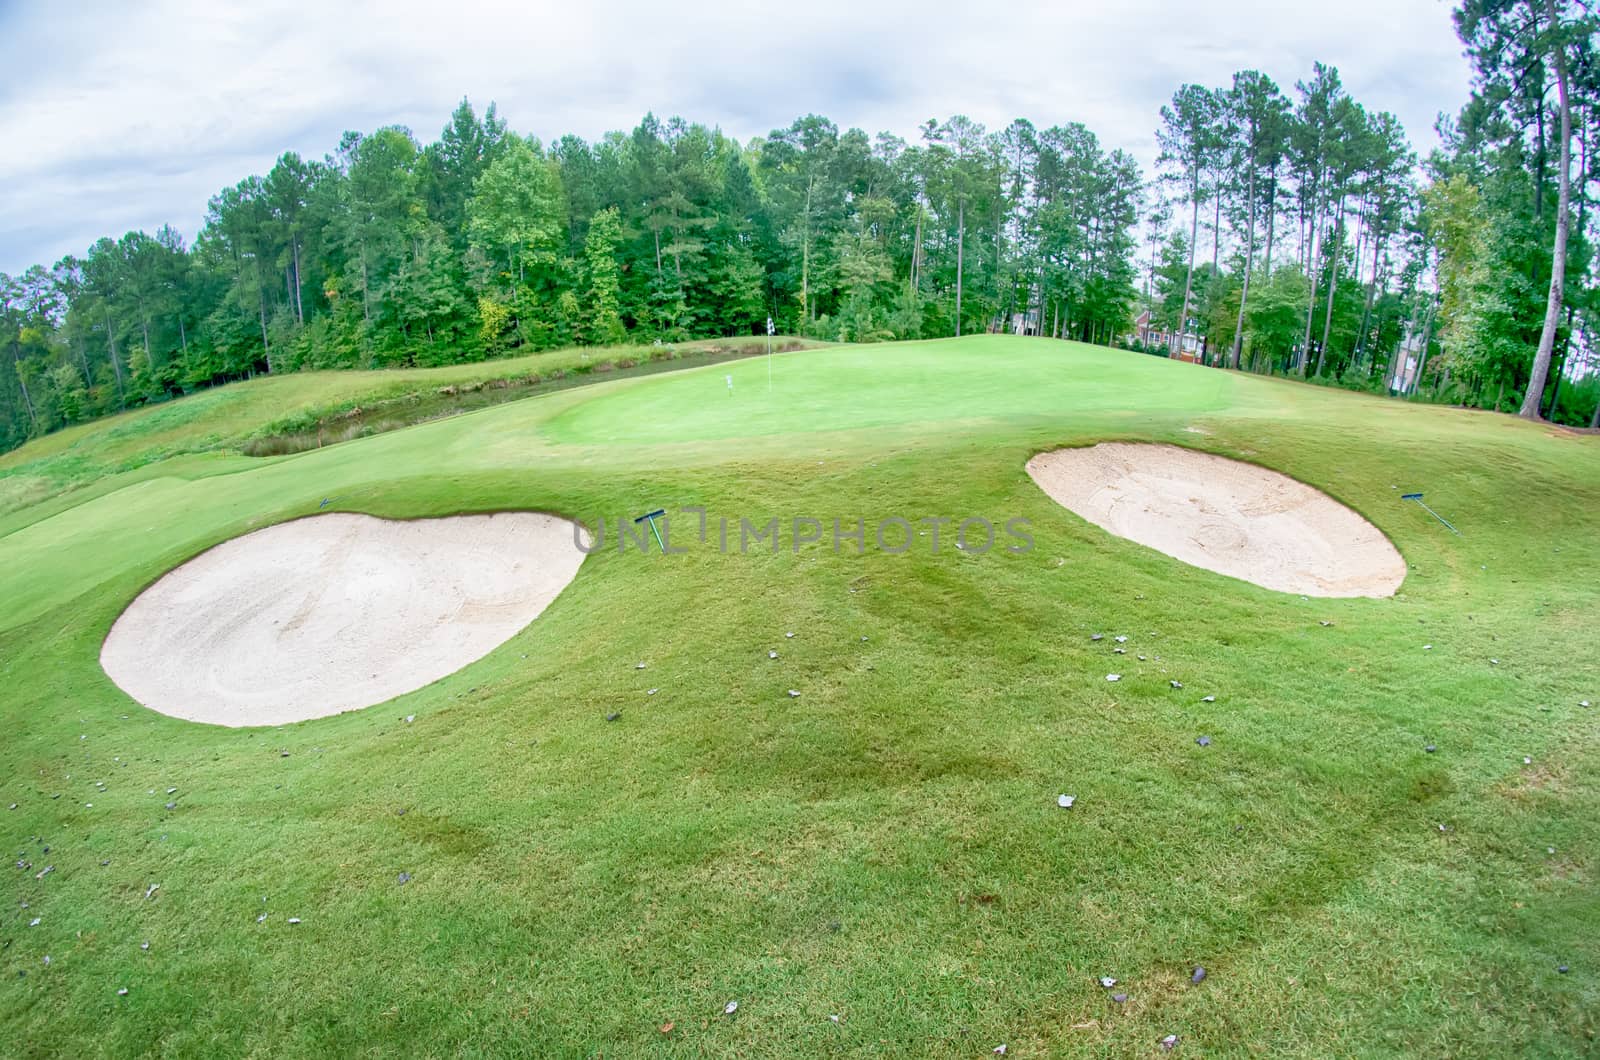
[122, 115]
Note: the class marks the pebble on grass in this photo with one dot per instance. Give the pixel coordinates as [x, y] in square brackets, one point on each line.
[1208, 699]
[1113, 677]
[1122, 638]
[1119, 998]
[1199, 976]
[1203, 741]
[1170, 1042]
[123, 992]
[403, 879]
[1429, 749]
[1066, 801]
[730, 1008]
[1097, 636]
[772, 655]
[294, 920]
[1107, 982]
[1176, 684]
[794, 693]
[614, 715]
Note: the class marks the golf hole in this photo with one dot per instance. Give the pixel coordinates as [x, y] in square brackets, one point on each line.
[334, 612]
[1225, 516]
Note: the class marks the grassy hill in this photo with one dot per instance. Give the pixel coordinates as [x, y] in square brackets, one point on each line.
[886, 847]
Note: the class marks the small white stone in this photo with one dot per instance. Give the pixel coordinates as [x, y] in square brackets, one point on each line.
[1176, 684]
[1208, 699]
[1066, 801]
[652, 691]
[294, 920]
[794, 694]
[1113, 677]
[35, 921]
[1527, 761]
[1107, 982]
[772, 655]
[123, 992]
[730, 1008]
[1427, 647]
[639, 666]
[1122, 639]
[788, 634]
[410, 718]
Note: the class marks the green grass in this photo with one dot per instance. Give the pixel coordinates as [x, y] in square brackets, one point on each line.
[886, 847]
[233, 417]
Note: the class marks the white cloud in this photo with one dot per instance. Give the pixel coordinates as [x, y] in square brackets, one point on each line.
[132, 115]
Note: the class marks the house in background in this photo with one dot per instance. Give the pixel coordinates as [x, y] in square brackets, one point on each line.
[1185, 347]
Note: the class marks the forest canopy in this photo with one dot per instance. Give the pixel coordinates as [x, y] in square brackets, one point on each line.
[1292, 231]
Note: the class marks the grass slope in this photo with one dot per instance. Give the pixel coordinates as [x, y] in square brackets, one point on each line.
[886, 847]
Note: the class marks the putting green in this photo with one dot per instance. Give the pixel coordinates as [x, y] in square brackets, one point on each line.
[886, 846]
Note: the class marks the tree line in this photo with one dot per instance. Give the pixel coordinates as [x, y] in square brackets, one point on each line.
[1336, 254]
[1287, 232]
[484, 243]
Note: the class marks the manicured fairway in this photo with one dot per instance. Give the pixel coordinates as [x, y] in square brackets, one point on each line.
[885, 847]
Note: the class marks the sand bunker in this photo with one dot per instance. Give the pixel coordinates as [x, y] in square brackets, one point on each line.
[334, 612]
[1225, 516]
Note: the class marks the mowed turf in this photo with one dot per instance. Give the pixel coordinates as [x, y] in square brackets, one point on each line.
[886, 847]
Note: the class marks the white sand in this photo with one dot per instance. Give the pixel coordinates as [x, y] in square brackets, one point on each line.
[1225, 516]
[334, 612]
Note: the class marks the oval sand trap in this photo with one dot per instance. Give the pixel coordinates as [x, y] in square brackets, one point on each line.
[334, 612]
[1225, 516]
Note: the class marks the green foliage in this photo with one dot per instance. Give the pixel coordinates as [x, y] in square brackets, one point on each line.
[604, 321]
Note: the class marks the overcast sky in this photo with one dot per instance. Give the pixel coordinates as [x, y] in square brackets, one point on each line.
[123, 115]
